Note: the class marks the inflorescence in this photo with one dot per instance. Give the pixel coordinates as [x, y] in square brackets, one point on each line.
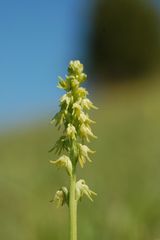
[75, 122]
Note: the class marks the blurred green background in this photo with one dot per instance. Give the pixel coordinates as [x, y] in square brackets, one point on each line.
[126, 88]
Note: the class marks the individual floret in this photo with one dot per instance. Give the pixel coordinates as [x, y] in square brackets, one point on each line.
[64, 161]
[71, 132]
[87, 104]
[83, 154]
[61, 197]
[83, 189]
[85, 132]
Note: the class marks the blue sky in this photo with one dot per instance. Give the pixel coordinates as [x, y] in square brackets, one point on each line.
[38, 38]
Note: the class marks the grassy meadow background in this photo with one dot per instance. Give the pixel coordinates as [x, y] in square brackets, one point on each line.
[119, 44]
[124, 173]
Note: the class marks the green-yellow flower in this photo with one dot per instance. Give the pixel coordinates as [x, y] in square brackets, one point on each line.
[66, 99]
[83, 154]
[71, 131]
[81, 92]
[86, 132]
[83, 189]
[64, 161]
[75, 67]
[61, 197]
[84, 118]
[77, 109]
[87, 104]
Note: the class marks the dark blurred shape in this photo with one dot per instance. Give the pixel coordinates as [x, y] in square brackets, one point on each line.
[125, 39]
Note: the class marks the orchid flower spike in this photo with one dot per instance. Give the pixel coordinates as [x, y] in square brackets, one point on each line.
[75, 123]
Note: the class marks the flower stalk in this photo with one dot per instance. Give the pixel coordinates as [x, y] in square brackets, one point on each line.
[74, 120]
[73, 208]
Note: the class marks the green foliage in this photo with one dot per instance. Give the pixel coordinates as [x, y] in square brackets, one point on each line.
[125, 37]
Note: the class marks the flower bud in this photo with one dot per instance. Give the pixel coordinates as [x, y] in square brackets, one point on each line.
[73, 81]
[83, 189]
[82, 77]
[61, 197]
[75, 67]
[64, 161]
[63, 84]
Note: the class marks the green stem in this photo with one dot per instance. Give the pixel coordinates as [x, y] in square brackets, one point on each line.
[73, 208]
